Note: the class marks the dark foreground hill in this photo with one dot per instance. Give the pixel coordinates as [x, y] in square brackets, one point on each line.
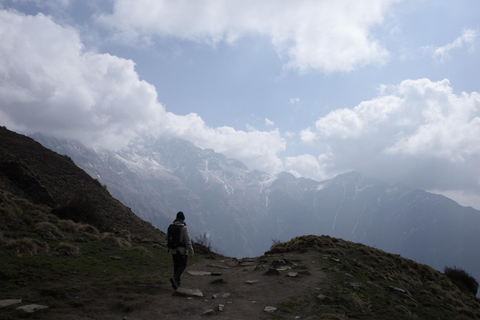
[42, 177]
[67, 245]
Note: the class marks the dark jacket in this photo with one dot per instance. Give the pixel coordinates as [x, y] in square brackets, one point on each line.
[184, 238]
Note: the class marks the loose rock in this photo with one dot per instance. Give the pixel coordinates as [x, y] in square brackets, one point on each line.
[32, 308]
[269, 309]
[9, 302]
[189, 292]
[199, 273]
[209, 312]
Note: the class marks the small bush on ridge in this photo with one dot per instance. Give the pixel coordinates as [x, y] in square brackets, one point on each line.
[462, 279]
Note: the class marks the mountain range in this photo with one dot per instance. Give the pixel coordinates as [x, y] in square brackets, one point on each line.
[243, 211]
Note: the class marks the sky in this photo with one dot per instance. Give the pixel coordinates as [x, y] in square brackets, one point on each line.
[389, 88]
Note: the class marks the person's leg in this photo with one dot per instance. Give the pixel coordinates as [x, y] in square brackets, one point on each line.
[181, 265]
[176, 265]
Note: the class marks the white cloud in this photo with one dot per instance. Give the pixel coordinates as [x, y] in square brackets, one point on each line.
[321, 35]
[257, 149]
[467, 38]
[305, 166]
[294, 100]
[50, 84]
[420, 133]
[269, 122]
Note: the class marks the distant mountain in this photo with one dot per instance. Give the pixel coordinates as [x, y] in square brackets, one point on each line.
[243, 211]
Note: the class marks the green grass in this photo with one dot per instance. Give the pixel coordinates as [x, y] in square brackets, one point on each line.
[56, 280]
[360, 285]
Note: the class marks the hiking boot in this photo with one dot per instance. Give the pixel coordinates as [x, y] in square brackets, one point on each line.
[174, 283]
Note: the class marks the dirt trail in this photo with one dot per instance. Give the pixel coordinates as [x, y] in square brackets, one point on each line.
[244, 301]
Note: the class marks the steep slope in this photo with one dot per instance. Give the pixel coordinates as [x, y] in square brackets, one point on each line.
[29, 170]
[243, 210]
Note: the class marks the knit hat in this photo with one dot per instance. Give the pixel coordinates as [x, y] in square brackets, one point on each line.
[180, 215]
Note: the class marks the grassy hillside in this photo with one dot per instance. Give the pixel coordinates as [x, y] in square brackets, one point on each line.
[67, 244]
[367, 283]
[34, 173]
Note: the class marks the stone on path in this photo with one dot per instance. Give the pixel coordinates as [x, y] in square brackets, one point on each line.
[208, 312]
[284, 268]
[269, 309]
[217, 295]
[251, 281]
[32, 308]
[220, 307]
[218, 266]
[9, 302]
[292, 274]
[199, 273]
[189, 292]
[247, 264]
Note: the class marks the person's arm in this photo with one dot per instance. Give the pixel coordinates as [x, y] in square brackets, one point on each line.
[188, 242]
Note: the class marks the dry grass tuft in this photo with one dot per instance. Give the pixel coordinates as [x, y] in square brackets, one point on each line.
[89, 231]
[114, 240]
[68, 226]
[67, 249]
[31, 217]
[24, 245]
[52, 218]
[126, 235]
[42, 247]
[48, 231]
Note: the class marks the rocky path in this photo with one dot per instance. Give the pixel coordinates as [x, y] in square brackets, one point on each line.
[236, 289]
[222, 288]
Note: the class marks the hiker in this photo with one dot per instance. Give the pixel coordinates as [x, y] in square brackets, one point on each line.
[179, 245]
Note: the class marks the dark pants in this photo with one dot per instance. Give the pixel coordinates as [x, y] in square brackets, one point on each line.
[179, 265]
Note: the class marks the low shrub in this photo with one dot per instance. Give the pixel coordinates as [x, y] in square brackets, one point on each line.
[114, 240]
[86, 228]
[68, 225]
[462, 279]
[48, 231]
[201, 244]
[67, 249]
[24, 245]
[42, 247]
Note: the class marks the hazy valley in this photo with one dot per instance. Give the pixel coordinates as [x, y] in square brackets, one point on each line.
[242, 211]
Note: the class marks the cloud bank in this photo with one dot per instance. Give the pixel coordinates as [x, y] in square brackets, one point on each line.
[50, 84]
[313, 35]
[419, 132]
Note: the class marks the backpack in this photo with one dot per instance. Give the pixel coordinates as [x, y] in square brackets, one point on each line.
[174, 231]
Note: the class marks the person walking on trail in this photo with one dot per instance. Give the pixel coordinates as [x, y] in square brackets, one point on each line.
[179, 245]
